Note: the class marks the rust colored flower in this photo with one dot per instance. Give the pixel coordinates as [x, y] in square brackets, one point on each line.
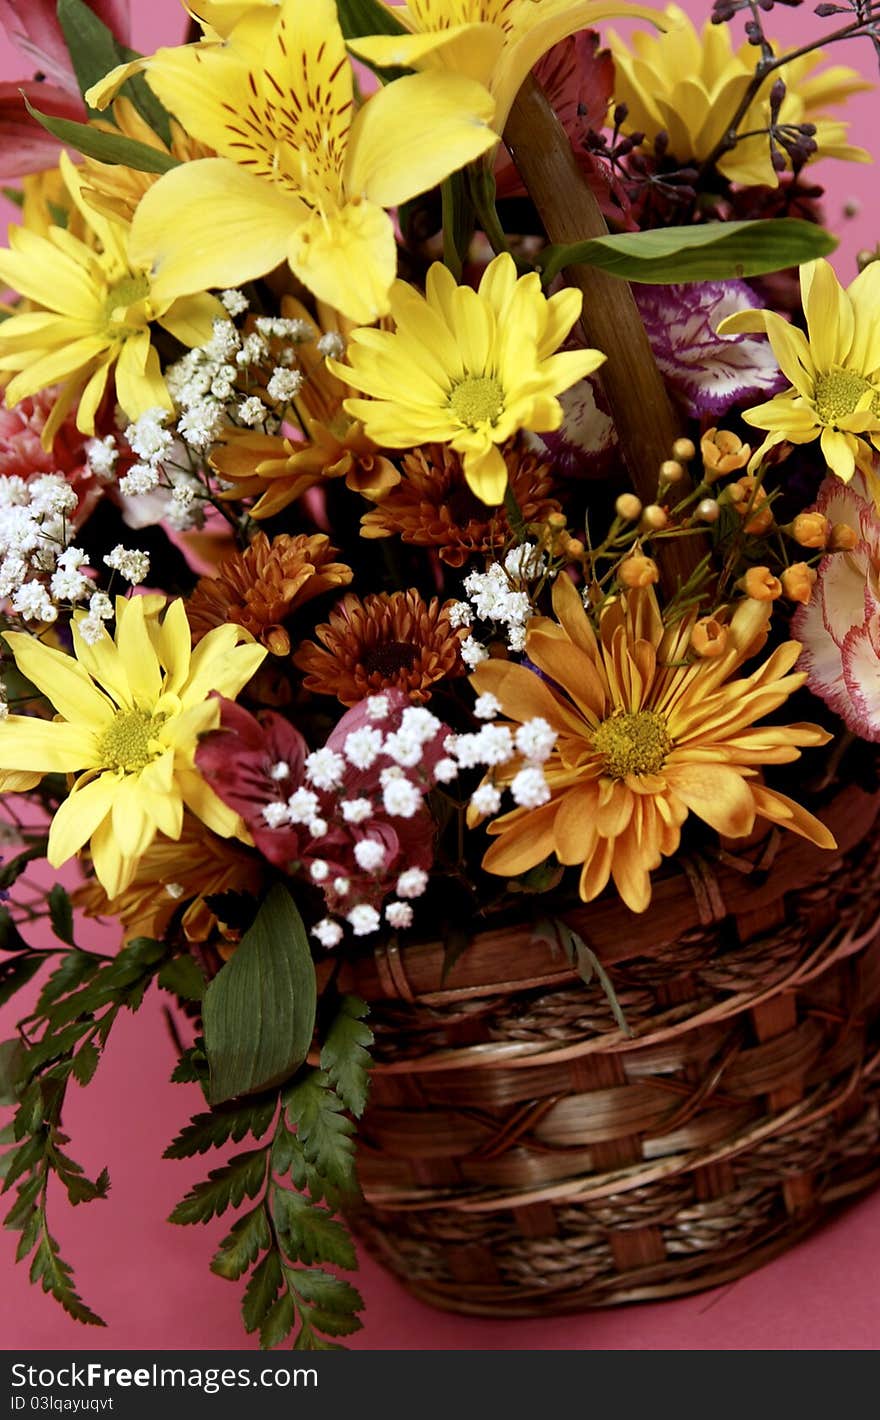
[260, 587]
[276, 470]
[760, 584]
[432, 505]
[386, 640]
[177, 877]
[798, 582]
[723, 452]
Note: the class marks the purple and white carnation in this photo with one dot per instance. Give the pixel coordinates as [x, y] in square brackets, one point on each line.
[707, 372]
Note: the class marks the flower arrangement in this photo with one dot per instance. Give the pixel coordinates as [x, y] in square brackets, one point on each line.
[375, 560]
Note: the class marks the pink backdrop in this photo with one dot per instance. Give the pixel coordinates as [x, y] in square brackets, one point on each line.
[152, 1279]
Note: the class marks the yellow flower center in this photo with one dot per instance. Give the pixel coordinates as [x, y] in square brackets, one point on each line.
[633, 742]
[123, 294]
[838, 393]
[130, 742]
[479, 399]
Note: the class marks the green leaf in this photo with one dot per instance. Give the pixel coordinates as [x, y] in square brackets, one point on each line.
[210, 1130]
[75, 968]
[94, 50]
[259, 1011]
[13, 1061]
[327, 1301]
[345, 1055]
[61, 914]
[12, 871]
[183, 977]
[583, 959]
[192, 1067]
[261, 1291]
[105, 147]
[309, 1233]
[716, 251]
[250, 1235]
[17, 973]
[85, 1063]
[367, 17]
[323, 1129]
[11, 939]
[243, 1176]
[55, 1276]
[278, 1322]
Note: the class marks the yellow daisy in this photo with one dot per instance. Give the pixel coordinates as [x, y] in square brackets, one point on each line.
[834, 370]
[92, 307]
[467, 368]
[299, 177]
[494, 41]
[690, 84]
[130, 709]
[645, 738]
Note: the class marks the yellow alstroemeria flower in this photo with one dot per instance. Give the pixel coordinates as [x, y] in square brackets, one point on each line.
[94, 307]
[131, 709]
[689, 85]
[496, 42]
[467, 368]
[834, 370]
[298, 177]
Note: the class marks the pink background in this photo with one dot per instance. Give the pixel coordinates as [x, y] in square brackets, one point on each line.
[152, 1280]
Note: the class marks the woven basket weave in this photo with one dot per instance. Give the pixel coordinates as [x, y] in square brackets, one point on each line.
[521, 1153]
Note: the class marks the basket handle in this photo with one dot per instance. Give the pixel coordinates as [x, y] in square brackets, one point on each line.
[644, 419]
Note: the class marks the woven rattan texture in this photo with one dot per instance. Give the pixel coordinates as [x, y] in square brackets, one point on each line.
[521, 1153]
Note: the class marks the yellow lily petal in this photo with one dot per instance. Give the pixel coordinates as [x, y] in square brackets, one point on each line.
[412, 133]
[190, 250]
[347, 258]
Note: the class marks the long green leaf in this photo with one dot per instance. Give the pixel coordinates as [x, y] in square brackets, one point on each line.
[367, 17]
[94, 50]
[259, 1011]
[105, 147]
[717, 251]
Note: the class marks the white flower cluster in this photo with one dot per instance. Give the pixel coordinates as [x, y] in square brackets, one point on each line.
[131, 564]
[161, 485]
[499, 597]
[39, 569]
[494, 746]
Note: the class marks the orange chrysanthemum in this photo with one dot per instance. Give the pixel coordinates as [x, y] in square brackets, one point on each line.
[176, 875]
[433, 506]
[645, 737]
[386, 640]
[260, 587]
[276, 470]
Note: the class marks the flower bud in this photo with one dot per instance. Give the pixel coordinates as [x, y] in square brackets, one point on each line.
[842, 538]
[798, 581]
[628, 507]
[708, 510]
[810, 529]
[723, 452]
[638, 571]
[556, 521]
[760, 584]
[671, 471]
[654, 518]
[754, 503]
[574, 548]
[683, 450]
[709, 638]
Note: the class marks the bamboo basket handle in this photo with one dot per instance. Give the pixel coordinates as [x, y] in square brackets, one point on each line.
[644, 420]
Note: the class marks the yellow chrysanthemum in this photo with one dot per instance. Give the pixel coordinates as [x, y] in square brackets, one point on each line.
[92, 307]
[494, 41]
[117, 190]
[645, 738]
[467, 368]
[689, 85]
[300, 177]
[834, 370]
[131, 709]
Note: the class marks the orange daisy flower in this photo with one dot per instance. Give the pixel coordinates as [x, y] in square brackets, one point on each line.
[260, 587]
[646, 736]
[432, 505]
[386, 640]
[176, 875]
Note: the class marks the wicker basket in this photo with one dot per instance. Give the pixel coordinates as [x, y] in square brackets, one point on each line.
[521, 1153]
